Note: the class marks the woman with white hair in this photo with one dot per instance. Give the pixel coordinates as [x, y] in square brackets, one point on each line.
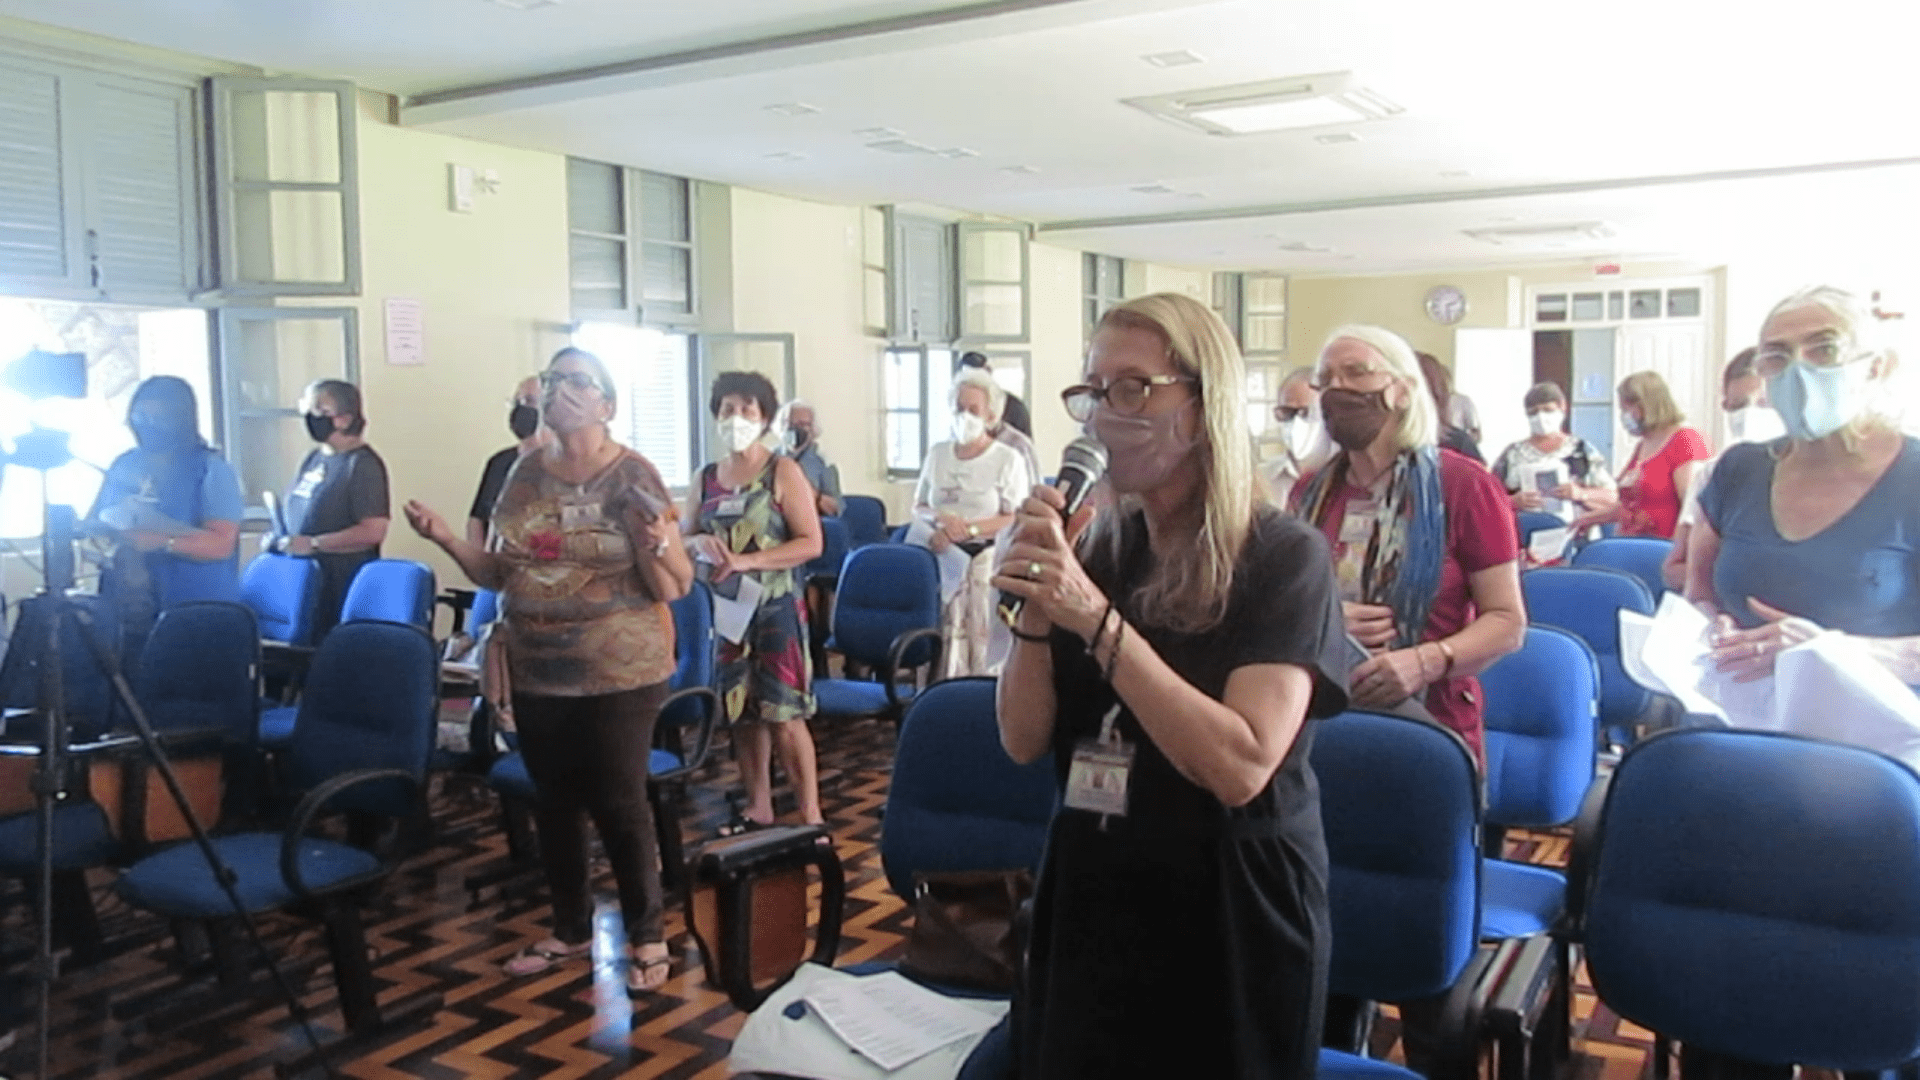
[1170, 655]
[1816, 530]
[1423, 540]
[969, 487]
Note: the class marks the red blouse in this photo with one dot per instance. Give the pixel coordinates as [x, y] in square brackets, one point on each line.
[1649, 499]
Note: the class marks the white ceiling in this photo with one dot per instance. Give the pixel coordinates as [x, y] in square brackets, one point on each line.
[1507, 96]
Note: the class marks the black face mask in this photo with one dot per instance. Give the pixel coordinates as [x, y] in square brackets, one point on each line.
[158, 436]
[319, 427]
[1353, 417]
[523, 421]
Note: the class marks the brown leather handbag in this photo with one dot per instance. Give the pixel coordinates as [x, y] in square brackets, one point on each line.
[964, 929]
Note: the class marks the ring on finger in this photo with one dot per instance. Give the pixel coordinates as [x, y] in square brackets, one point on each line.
[1033, 570]
[1756, 650]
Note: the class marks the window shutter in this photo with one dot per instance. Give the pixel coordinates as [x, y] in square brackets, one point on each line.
[140, 189]
[39, 235]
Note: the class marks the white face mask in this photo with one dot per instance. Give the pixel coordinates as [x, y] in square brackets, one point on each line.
[736, 433]
[1305, 436]
[1631, 422]
[1546, 421]
[1754, 423]
[967, 427]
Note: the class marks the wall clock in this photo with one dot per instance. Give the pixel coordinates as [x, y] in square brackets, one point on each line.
[1446, 304]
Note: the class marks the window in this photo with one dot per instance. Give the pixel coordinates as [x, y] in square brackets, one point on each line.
[873, 270]
[123, 345]
[630, 245]
[1101, 278]
[993, 281]
[915, 380]
[268, 355]
[285, 196]
[921, 274]
[652, 371]
[1263, 344]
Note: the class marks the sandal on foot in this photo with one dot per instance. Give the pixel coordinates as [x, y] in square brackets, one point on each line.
[741, 823]
[544, 956]
[641, 977]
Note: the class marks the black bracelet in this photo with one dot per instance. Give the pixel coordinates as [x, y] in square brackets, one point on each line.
[1099, 631]
[1040, 639]
[1113, 658]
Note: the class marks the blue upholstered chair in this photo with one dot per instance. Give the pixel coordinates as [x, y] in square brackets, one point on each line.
[1400, 801]
[282, 591]
[683, 737]
[956, 801]
[1757, 897]
[886, 618]
[835, 543]
[866, 519]
[1532, 521]
[391, 590]
[1587, 602]
[821, 578]
[1640, 556]
[361, 747]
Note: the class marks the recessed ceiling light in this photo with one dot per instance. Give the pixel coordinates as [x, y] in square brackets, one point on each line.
[1335, 138]
[900, 146]
[1021, 170]
[1152, 189]
[793, 108]
[957, 152]
[1455, 174]
[1543, 237]
[1176, 58]
[1193, 194]
[525, 5]
[1305, 248]
[786, 155]
[879, 133]
[1304, 101]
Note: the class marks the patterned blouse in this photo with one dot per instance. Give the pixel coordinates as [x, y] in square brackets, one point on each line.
[581, 619]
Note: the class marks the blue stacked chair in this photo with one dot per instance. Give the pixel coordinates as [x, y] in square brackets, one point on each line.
[835, 543]
[1532, 521]
[1757, 898]
[886, 618]
[866, 519]
[1641, 556]
[282, 591]
[1587, 603]
[391, 590]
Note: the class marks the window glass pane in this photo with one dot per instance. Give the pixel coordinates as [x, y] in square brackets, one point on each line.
[994, 309]
[1112, 277]
[598, 269]
[873, 235]
[286, 136]
[663, 208]
[1551, 307]
[903, 441]
[1265, 293]
[1588, 307]
[1683, 303]
[939, 395]
[1266, 333]
[593, 197]
[650, 372]
[294, 236]
[1644, 303]
[991, 255]
[667, 278]
[1616, 305]
[900, 379]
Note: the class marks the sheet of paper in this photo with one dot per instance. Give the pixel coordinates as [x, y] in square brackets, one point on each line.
[133, 516]
[892, 1021]
[1548, 545]
[406, 331]
[733, 615]
[1832, 688]
[953, 562]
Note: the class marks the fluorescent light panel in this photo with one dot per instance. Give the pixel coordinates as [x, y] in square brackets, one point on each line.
[1280, 115]
[1305, 101]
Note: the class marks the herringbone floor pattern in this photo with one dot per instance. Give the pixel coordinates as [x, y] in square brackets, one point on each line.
[573, 1022]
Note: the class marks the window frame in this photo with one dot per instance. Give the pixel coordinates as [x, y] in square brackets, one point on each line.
[226, 408]
[220, 167]
[639, 243]
[963, 284]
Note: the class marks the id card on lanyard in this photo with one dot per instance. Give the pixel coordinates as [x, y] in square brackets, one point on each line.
[1102, 767]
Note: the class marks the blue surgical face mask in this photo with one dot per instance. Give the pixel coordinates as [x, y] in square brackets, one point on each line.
[1814, 402]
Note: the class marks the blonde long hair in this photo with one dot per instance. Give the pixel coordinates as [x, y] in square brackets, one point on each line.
[1188, 591]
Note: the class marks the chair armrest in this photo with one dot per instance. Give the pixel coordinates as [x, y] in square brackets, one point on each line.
[1582, 853]
[459, 601]
[703, 732]
[898, 653]
[310, 806]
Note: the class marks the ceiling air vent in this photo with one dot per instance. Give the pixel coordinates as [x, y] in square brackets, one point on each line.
[1304, 101]
[1543, 237]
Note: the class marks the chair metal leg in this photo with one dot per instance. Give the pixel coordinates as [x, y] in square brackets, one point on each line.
[667, 801]
[352, 971]
[76, 924]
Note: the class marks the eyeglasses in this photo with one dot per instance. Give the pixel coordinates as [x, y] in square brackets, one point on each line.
[579, 380]
[1284, 413]
[1825, 351]
[1126, 395]
[1346, 375]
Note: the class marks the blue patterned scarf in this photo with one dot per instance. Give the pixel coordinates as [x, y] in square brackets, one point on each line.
[1401, 568]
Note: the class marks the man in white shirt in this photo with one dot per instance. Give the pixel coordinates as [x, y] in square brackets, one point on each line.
[1304, 445]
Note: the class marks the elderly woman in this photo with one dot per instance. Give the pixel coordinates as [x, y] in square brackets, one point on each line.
[969, 488]
[337, 510]
[1662, 465]
[1816, 530]
[752, 514]
[1178, 647]
[1423, 539]
[585, 553]
[1553, 470]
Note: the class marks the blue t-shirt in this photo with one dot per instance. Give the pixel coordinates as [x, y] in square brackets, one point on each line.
[195, 487]
[1860, 575]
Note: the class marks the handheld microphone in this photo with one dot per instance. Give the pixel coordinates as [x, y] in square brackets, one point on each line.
[1081, 467]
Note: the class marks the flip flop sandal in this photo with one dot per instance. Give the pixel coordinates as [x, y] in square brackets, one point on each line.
[640, 972]
[743, 824]
[541, 957]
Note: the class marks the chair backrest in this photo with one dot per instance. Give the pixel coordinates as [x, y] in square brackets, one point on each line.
[201, 669]
[693, 638]
[1586, 602]
[485, 609]
[833, 548]
[866, 519]
[1640, 556]
[1542, 721]
[282, 591]
[391, 590]
[885, 590]
[956, 801]
[899, 534]
[90, 704]
[1532, 521]
[369, 703]
[1758, 895]
[1400, 802]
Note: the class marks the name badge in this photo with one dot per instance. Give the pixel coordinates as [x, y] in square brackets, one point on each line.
[574, 516]
[1097, 779]
[732, 506]
[309, 481]
[1357, 527]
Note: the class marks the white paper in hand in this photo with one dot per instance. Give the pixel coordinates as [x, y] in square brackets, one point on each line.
[953, 562]
[1548, 545]
[733, 616]
[891, 1020]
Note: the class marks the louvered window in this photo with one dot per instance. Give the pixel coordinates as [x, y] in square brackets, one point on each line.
[631, 245]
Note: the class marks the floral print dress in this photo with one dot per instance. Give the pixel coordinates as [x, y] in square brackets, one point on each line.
[768, 675]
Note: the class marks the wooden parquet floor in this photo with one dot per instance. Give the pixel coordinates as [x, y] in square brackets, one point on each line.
[573, 1023]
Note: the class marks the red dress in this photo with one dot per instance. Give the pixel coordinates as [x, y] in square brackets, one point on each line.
[1649, 499]
[1480, 534]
